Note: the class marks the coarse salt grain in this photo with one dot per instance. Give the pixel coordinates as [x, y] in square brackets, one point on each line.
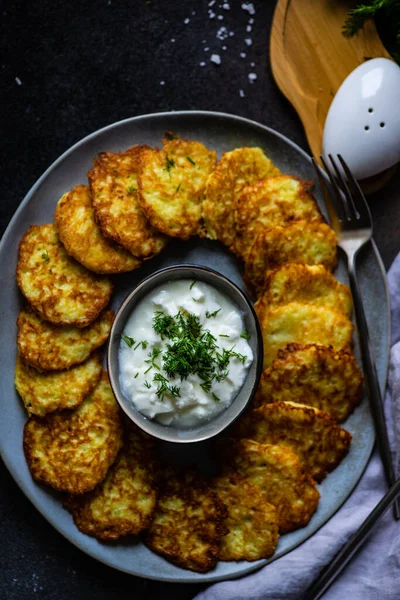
[249, 7]
[249, 28]
[248, 41]
[241, 93]
[252, 64]
[231, 33]
[18, 81]
[243, 55]
[202, 64]
[222, 33]
[226, 6]
[216, 59]
[220, 18]
[173, 40]
[186, 21]
[224, 47]
[211, 14]
[251, 21]
[162, 82]
[252, 77]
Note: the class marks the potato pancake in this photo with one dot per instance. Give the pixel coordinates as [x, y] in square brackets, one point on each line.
[172, 183]
[82, 238]
[43, 392]
[301, 242]
[188, 522]
[53, 348]
[318, 376]
[123, 503]
[115, 198]
[312, 434]
[278, 473]
[252, 523]
[306, 284]
[303, 323]
[57, 287]
[72, 451]
[235, 171]
[271, 202]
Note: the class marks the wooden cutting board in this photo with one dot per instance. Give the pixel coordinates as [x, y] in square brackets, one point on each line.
[310, 57]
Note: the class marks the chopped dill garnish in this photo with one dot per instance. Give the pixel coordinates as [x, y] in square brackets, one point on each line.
[178, 188]
[245, 335]
[211, 315]
[216, 397]
[223, 335]
[147, 384]
[147, 370]
[143, 344]
[131, 189]
[192, 284]
[128, 340]
[136, 375]
[169, 163]
[191, 350]
[190, 160]
[45, 256]
[164, 388]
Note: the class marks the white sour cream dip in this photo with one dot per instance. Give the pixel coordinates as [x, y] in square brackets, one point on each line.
[183, 354]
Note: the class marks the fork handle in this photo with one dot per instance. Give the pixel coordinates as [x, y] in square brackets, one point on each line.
[371, 382]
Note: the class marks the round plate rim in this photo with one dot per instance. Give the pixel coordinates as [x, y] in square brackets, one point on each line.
[207, 578]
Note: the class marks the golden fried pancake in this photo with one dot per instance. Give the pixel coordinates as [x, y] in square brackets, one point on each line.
[58, 288]
[44, 392]
[235, 171]
[301, 242]
[318, 376]
[171, 186]
[82, 238]
[123, 503]
[312, 434]
[115, 198]
[271, 202]
[308, 284]
[187, 525]
[252, 522]
[303, 323]
[72, 451]
[278, 473]
[53, 347]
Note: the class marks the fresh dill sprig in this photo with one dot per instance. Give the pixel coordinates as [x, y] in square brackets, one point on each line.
[128, 340]
[192, 284]
[143, 344]
[147, 384]
[131, 189]
[169, 163]
[190, 160]
[216, 398]
[211, 315]
[245, 335]
[45, 256]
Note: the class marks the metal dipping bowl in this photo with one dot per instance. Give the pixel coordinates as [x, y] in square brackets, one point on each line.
[218, 423]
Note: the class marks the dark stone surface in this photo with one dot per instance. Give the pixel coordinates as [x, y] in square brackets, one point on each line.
[83, 65]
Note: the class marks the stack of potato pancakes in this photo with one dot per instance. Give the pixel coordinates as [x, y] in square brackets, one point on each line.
[76, 440]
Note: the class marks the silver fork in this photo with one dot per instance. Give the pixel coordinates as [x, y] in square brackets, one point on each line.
[352, 223]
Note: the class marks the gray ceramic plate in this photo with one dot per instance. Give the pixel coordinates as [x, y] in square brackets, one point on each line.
[221, 132]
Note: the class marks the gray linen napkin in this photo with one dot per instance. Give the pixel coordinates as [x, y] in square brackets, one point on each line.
[374, 573]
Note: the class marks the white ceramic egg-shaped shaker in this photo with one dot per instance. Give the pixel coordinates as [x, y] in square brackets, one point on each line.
[363, 121]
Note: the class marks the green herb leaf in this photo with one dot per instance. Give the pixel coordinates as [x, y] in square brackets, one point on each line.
[147, 384]
[245, 335]
[131, 189]
[178, 188]
[45, 256]
[190, 160]
[136, 375]
[128, 340]
[216, 397]
[169, 163]
[192, 284]
[211, 315]
[223, 335]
